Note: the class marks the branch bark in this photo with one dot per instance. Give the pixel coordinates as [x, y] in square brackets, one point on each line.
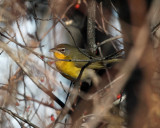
[91, 26]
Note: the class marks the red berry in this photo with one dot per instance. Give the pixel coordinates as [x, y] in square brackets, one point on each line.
[77, 6]
[17, 104]
[42, 57]
[52, 118]
[119, 96]
[42, 80]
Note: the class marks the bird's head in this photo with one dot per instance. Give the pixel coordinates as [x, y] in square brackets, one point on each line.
[62, 51]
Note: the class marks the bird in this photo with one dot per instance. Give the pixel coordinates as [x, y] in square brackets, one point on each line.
[76, 58]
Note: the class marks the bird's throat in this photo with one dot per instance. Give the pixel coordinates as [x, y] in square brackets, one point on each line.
[59, 55]
[67, 68]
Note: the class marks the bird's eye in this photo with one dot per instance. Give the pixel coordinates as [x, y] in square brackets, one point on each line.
[62, 50]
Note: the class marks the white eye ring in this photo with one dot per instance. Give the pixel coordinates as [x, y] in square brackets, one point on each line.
[61, 49]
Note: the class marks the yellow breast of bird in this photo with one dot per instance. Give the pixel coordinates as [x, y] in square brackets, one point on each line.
[67, 69]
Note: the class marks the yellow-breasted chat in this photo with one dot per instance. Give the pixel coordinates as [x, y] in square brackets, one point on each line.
[75, 60]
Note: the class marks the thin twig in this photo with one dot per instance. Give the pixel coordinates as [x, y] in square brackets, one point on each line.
[102, 19]
[109, 40]
[107, 72]
[73, 39]
[36, 18]
[73, 95]
[21, 33]
[105, 20]
[19, 117]
[45, 34]
[63, 87]
[37, 109]
[68, 7]
[135, 55]
[155, 28]
[37, 101]
[10, 52]
[70, 60]
[113, 6]
[29, 49]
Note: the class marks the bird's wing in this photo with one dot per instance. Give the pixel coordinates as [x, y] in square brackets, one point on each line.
[84, 58]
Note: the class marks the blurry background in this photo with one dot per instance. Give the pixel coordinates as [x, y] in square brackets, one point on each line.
[32, 88]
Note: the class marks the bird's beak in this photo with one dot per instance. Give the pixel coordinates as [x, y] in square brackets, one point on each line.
[52, 50]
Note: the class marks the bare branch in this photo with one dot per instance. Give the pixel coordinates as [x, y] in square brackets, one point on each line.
[19, 117]
[10, 52]
[91, 26]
